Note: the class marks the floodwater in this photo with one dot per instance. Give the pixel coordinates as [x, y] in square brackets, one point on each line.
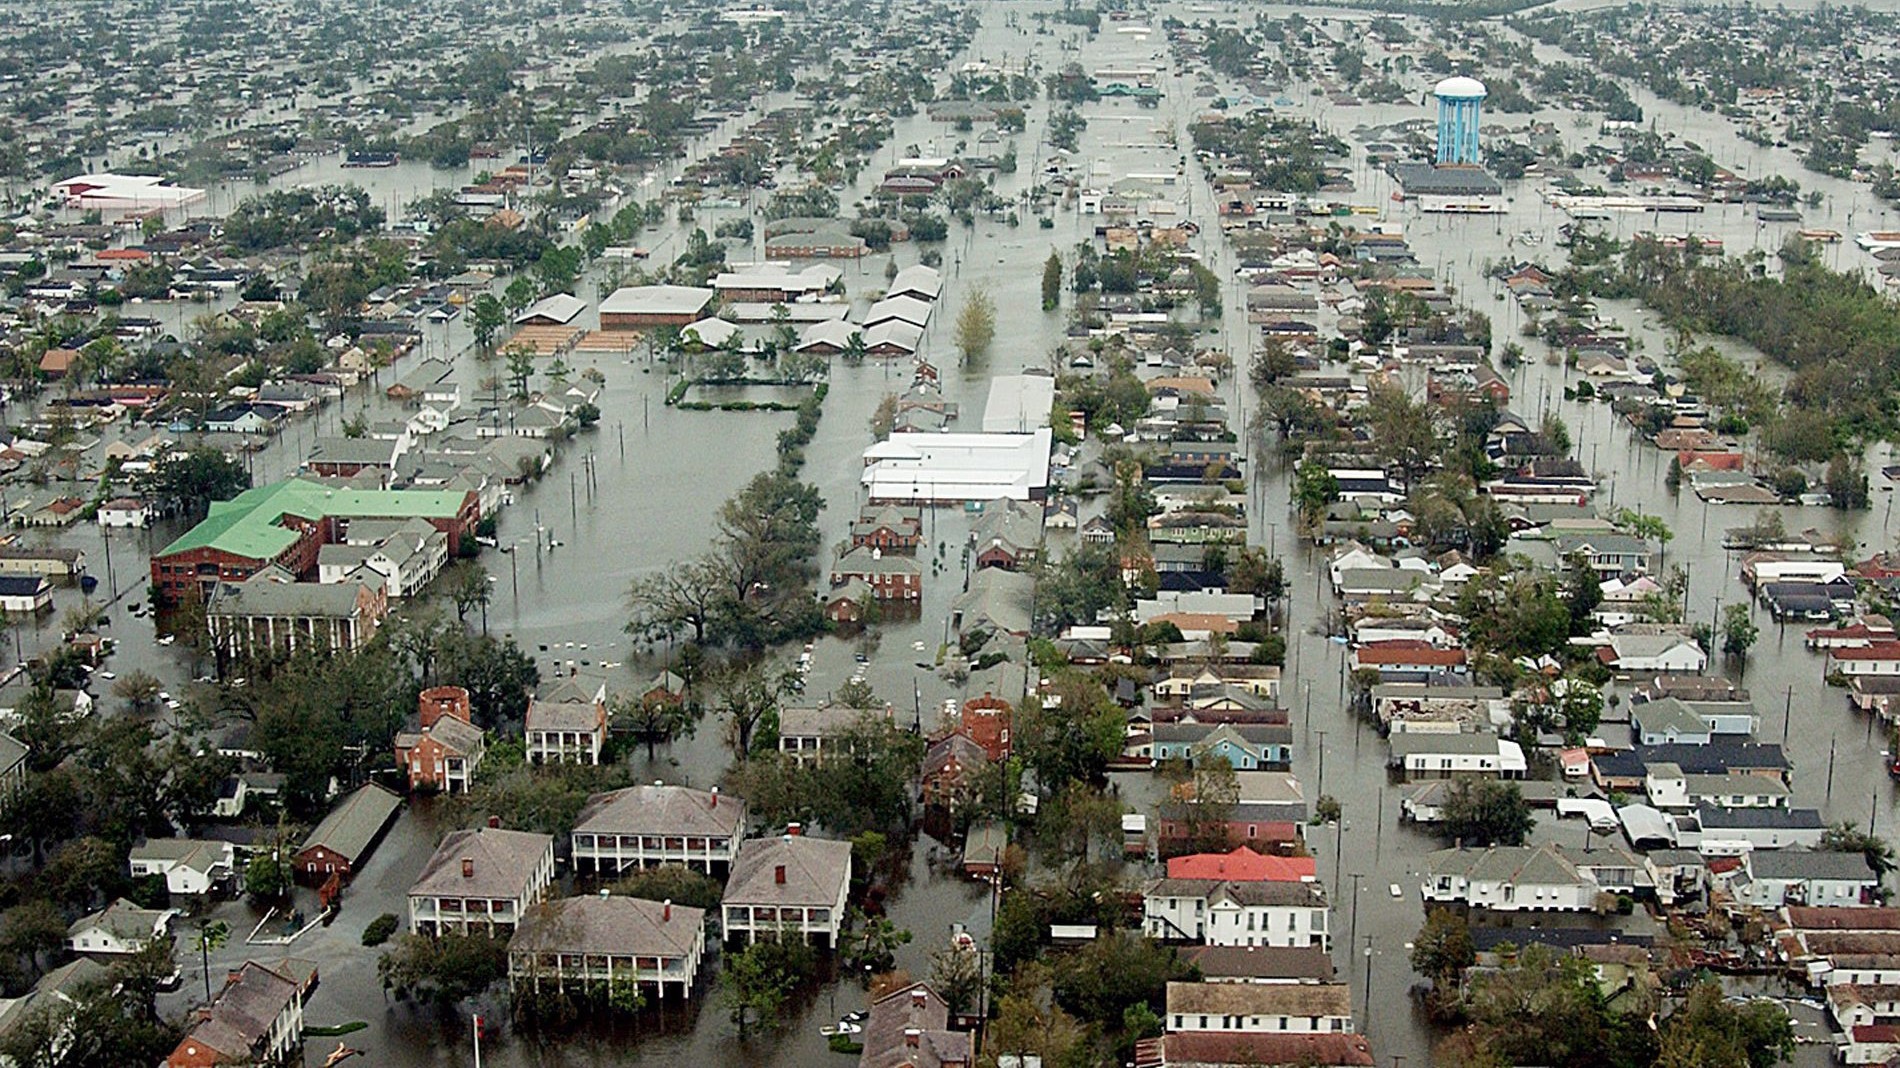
[659, 474]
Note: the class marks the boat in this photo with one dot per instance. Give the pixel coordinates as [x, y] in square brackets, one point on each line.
[842, 1027]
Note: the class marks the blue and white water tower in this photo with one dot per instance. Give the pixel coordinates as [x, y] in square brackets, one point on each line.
[1460, 104]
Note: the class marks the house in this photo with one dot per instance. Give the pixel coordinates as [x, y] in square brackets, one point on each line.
[805, 732]
[889, 578]
[850, 603]
[345, 457]
[566, 724]
[341, 841]
[948, 764]
[1310, 1008]
[1225, 912]
[1609, 555]
[446, 747]
[1732, 831]
[484, 877]
[57, 995]
[1007, 534]
[1217, 1049]
[1667, 722]
[658, 824]
[125, 512]
[1434, 755]
[1650, 654]
[190, 867]
[1407, 660]
[1543, 878]
[1248, 747]
[997, 600]
[1267, 815]
[63, 566]
[257, 1019]
[910, 1028]
[1875, 658]
[1776, 877]
[1406, 707]
[791, 884]
[118, 930]
[25, 595]
[405, 555]
[601, 943]
[890, 528]
[269, 613]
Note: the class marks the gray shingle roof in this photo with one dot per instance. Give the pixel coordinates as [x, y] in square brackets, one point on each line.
[504, 864]
[661, 809]
[618, 925]
[815, 870]
[349, 828]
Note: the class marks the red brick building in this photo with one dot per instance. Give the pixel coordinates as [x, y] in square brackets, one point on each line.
[287, 523]
[986, 722]
[445, 749]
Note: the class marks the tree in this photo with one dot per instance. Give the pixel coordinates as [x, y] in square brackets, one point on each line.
[32, 931]
[679, 601]
[1483, 812]
[1404, 431]
[191, 481]
[267, 877]
[519, 294]
[655, 719]
[212, 935]
[469, 588]
[1708, 1028]
[486, 317]
[672, 882]
[1114, 973]
[976, 326]
[1846, 483]
[872, 944]
[1072, 738]
[1027, 1026]
[520, 367]
[956, 974]
[1847, 837]
[1442, 949]
[1645, 526]
[747, 694]
[1314, 489]
[756, 981]
[138, 688]
[1738, 630]
[445, 968]
[1201, 800]
[1052, 282]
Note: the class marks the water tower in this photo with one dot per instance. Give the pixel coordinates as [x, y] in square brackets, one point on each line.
[1460, 102]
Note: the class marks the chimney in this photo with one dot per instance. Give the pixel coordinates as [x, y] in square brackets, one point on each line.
[919, 999]
[494, 822]
[715, 797]
[778, 873]
[913, 1037]
[666, 911]
[468, 867]
[793, 830]
[605, 893]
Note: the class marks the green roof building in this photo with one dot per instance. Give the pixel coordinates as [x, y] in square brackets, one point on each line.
[287, 523]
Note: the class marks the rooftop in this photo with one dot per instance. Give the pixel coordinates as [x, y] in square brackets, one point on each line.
[249, 526]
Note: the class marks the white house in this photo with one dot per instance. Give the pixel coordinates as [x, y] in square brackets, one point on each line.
[1430, 755]
[1219, 912]
[1793, 876]
[119, 929]
[1647, 654]
[790, 884]
[189, 866]
[125, 512]
[483, 878]
[1666, 785]
[658, 824]
[1529, 878]
[1260, 1008]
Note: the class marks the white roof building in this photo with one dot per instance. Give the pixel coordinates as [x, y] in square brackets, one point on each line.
[108, 190]
[1019, 403]
[952, 468]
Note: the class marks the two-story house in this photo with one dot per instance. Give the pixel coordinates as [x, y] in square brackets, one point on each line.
[257, 1019]
[790, 884]
[566, 724]
[1443, 756]
[604, 943]
[1222, 912]
[1260, 1008]
[484, 878]
[658, 824]
[1544, 878]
